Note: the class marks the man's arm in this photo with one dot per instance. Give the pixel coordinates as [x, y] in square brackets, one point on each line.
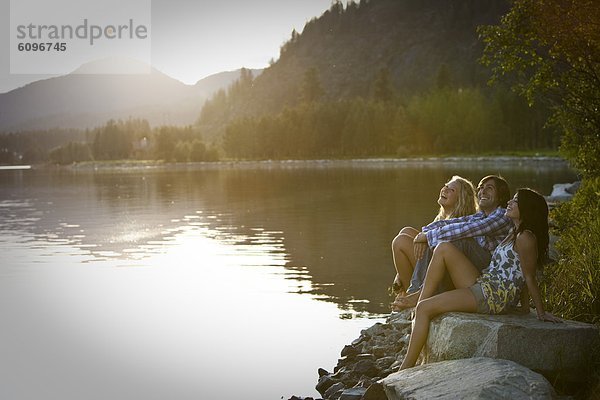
[494, 222]
[444, 222]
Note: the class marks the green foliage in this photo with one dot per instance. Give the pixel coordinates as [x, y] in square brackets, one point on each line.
[573, 283]
[550, 51]
[214, 109]
[181, 145]
[351, 59]
[471, 120]
[165, 144]
[71, 153]
[112, 142]
[383, 87]
[193, 151]
[198, 151]
[443, 79]
[371, 49]
[181, 151]
[439, 122]
[224, 104]
[33, 147]
[115, 140]
[450, 120]
[309, 130]
[242, 85]
[311, 89]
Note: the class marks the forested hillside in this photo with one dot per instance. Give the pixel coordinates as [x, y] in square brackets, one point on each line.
[80, 117]
[379, 77]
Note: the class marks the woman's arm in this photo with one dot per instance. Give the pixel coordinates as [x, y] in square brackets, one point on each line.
[526, 246]
[420, 245]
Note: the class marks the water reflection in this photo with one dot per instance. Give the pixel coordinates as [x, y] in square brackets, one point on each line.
[171, 314]
[333, 222]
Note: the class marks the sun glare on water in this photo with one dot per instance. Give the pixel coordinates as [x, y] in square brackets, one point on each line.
[175, 307]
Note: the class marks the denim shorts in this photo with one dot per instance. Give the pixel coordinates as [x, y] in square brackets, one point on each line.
[479, 256]
[482, 305]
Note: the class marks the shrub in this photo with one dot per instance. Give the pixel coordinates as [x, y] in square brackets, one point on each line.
[573, 283]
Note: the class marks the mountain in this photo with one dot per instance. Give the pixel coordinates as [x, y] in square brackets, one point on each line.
[418, 42]
[83, 99]
[221, 80]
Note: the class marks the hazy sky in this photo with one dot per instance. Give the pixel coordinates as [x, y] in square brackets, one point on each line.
[194, 39]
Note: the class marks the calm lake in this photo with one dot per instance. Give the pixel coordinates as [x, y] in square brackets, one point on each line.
[208, 281]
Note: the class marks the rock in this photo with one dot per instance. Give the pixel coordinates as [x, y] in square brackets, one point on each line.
[380, 351]
[366, 367]
[353, 393]
[325, 382]
[556, 350]
[300, 398]
[474, 378]
[342, 362]
[561, 189]
[336, 387]
[559, 351]
[405, 339]
[375, 330]
[573, 187]
[365, 356]
[375, 392]
[562, 192]
[349, 351]
[403, 317]
[365, 382]
[385, 362]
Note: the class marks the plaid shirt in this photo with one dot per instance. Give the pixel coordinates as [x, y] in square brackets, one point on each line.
[488, 230]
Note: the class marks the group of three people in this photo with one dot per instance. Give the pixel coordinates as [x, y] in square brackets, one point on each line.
[466, 260]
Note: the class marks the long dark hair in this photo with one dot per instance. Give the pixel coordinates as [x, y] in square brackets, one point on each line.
[533, 211]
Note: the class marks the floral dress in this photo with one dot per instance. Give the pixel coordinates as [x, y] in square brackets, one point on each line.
[503, 280]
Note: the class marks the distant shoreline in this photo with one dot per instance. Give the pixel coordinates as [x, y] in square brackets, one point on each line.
[135, 165]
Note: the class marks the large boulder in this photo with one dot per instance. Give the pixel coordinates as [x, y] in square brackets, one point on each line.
[561, 351]
[562, 192]
[474, 378]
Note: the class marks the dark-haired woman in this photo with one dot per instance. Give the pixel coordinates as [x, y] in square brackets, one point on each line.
[510, 277]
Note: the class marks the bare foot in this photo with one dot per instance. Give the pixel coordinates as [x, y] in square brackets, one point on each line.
[397, 286]
[404, 302]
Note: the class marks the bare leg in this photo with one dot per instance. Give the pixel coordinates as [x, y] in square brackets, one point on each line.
[446, 257]
[454, 300]
[404, 257]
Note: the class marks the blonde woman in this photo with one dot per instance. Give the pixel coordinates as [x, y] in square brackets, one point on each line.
[457, 199]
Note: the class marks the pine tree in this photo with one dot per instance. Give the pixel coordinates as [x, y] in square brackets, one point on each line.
[311, 89]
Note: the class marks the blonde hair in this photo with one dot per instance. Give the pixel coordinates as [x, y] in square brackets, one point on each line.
[467, 200]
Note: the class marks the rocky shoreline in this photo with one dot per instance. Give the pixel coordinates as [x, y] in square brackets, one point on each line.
[375, 354]
[467, 355]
